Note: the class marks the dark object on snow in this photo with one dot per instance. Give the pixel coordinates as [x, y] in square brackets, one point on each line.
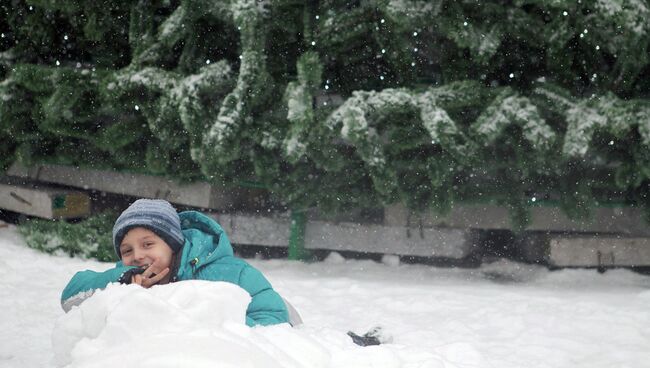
[128, 275]
[369, 338]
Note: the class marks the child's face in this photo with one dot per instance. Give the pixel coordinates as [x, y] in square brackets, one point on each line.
[142, 247]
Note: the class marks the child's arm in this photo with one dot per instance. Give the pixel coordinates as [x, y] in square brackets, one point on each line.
[84, 283]
[266, 307]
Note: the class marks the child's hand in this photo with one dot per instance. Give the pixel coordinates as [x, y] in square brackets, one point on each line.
[151, 276]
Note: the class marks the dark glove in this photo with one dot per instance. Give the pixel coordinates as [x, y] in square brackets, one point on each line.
[128, 275]
[365, 340]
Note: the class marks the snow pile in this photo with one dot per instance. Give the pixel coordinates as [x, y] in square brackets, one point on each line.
[198, 324]
[502, 314]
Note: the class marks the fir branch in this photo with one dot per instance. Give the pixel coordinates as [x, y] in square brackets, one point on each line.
[511, 109]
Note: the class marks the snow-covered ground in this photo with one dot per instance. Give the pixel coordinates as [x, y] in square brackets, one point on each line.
[501, 315]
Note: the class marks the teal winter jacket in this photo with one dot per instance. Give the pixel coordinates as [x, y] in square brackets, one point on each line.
[206, 255]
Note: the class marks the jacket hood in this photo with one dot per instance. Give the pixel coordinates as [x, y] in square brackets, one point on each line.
[205, 240]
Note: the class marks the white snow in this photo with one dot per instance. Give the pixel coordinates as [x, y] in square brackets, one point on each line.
[173, 24]
[232, 106]
[508, 109]
[630, 14]
[502, 314]
[435, 119]
[411, 8]
[390, 260]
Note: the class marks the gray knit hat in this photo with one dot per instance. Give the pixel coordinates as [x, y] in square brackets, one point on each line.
[156, 215]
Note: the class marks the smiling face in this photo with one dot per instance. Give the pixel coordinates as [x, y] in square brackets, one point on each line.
[142, 247]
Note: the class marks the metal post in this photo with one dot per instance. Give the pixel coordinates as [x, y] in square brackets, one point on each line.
[297, 249]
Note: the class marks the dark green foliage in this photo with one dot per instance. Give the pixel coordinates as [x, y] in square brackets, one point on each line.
[90, 238]
[341, 104]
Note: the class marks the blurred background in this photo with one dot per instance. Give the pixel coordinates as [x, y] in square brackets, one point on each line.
[444, 129]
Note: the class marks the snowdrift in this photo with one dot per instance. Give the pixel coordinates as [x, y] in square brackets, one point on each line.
[202, 324]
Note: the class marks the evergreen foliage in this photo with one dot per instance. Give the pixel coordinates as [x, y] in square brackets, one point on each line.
[341, 104]
[90, 238]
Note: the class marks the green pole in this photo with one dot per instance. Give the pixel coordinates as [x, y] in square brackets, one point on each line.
[297, 249]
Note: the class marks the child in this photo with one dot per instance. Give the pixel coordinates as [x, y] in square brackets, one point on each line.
[157, 246]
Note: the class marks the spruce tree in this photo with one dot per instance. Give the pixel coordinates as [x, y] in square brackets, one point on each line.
[341, 104]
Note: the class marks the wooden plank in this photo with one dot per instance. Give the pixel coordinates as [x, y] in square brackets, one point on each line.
[270, 231]
[274, 230]
[599, 251]
[483, 217]
[429, 242]
[621, 220]
[44, 202]
[199, 194]
[584, 250]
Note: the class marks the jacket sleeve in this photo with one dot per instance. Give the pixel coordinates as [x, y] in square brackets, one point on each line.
[84, 283]
[266, 307]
